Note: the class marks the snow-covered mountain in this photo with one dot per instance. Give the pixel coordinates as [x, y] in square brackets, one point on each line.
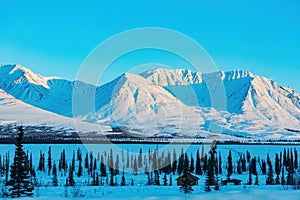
[14, 111]
[161, 102]
[135, 103]
[49, 93]
[251, 96]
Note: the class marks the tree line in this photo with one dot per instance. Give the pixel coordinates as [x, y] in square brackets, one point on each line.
[160, 167]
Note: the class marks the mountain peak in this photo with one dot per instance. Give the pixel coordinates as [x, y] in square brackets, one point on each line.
[171, 77]
[236, 74]
[19, 74]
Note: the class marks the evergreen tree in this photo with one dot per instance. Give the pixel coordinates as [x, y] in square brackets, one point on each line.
[270, 175]
[64, 160]
[117, 165]
[250, 175]
[123, 181]
[198, 164]
[290, 169]
[282, 176]
[205, 163]
[86, 161]
[97, 183]
[174, 165]
[41, 166]
[91, 162]
[6, 166]
[220, 163]
[296, 159]
[49, 164]
[135, 167]
[70, 179]
[20, 182]
[102, 167]
[181, 162]
[229, 165]
[210, 173]
[54, 174]
[95, 165]
[248, 156]
[192, 165]
[73, 162]
[284, 157]
[253, 166]
[263, 167]
[244, 167]
[187, 185]
[277, 169]
[111, 162]
[79, 172]
[140, 158]
[239, 167]
[127, 159]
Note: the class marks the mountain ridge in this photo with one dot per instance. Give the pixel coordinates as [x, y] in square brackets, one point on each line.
[165, 101]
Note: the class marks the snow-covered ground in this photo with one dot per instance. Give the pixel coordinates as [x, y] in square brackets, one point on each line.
[142, 191]
[168, 193]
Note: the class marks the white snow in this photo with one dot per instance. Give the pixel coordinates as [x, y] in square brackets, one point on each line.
[14, 111]
[164, 102]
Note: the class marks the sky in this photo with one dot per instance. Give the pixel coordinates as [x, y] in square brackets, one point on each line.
[56, 37]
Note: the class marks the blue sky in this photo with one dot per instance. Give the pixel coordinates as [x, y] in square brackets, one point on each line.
[54, 37]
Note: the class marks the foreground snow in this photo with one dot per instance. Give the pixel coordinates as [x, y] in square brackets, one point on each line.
[166, 193]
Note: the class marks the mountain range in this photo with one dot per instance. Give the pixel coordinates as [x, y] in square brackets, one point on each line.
[161, 102]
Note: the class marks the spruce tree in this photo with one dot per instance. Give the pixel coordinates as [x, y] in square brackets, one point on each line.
[277, 169]
[174, 165]
[192, 165]
[140, 158]
[229, 165]
[111, 162]
[49, 164]
[296, 159]
[123, 181]
[270, 175]
[71, 181]
[263, 167]
[54, 174]
[198, 164]
[73, 162]
[220, 163]
[250, 175]
[210, 173]
[135, 167]
[282, 176]
[116, 171]
[102, 167]
[239, 167]
[79, 173]
[20, 183]
[187, 185]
